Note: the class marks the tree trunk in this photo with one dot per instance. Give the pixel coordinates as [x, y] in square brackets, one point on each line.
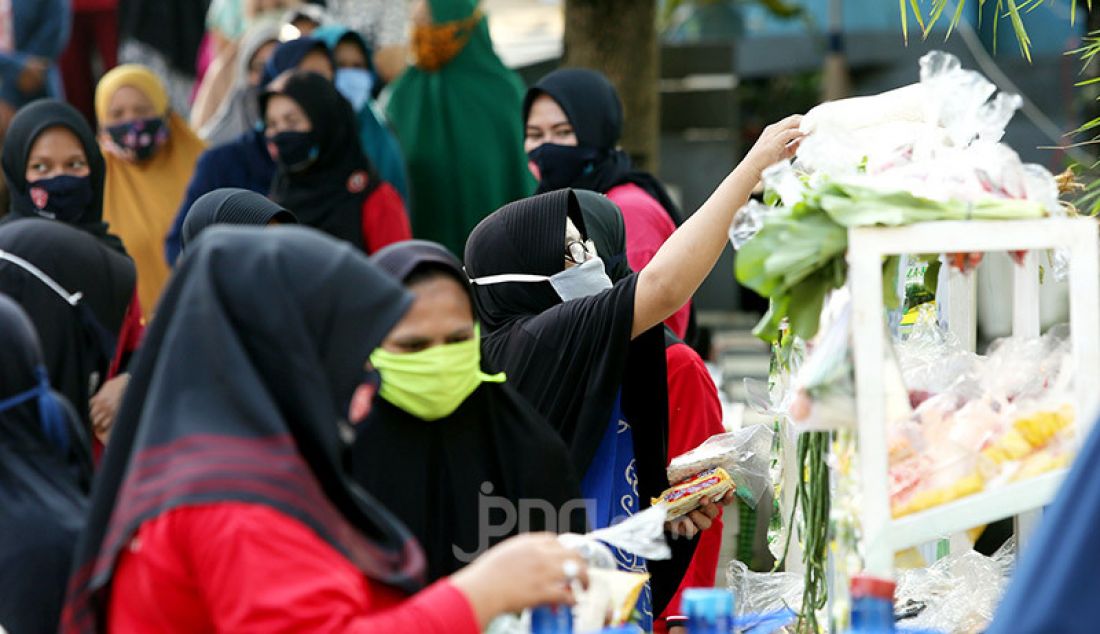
[619, 38]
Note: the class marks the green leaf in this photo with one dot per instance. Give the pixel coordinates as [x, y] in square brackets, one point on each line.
[807, 300]
[768, 326]
[932, 274]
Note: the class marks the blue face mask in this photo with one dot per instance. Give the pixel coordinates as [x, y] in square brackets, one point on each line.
[50, 412]
[356, 85]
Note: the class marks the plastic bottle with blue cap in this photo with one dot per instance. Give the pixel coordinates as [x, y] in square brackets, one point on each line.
[709, 610]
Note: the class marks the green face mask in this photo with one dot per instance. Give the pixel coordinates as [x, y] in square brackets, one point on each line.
[432, 383]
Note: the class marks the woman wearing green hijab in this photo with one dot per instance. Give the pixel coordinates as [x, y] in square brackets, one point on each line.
[452, 112]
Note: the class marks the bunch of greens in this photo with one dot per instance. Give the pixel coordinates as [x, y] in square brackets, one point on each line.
[797, 257]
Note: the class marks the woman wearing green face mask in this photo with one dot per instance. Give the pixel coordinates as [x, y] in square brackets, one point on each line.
[451, 448]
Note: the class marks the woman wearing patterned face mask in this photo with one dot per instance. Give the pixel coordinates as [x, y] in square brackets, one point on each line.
[150, 155]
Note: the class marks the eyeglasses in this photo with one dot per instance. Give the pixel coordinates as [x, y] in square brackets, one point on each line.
[576, 252]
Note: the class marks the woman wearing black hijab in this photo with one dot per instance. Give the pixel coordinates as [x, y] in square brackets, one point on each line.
[233, 206]
[323, 175]
[223, 503]
[45, 469]
[588, 354]
[54, 169]
[573, 120]
[465, 443]
[77, 292]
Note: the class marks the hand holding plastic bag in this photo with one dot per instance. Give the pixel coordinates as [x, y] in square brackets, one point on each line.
[744, 454]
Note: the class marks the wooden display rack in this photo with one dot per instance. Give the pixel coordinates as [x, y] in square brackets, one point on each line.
[884, 535]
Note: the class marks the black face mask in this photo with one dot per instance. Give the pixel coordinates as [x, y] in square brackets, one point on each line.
[560, 166]
[65, 198]
[293, 150]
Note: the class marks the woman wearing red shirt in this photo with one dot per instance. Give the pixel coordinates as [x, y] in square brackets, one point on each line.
[573, 122]
[223, 505]
[322, 175]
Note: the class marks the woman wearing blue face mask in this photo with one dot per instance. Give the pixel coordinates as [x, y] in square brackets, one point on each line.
[45, 471]
[355, 75]
[589, 354]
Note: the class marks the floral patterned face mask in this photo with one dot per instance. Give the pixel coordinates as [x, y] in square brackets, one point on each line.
[139, 139]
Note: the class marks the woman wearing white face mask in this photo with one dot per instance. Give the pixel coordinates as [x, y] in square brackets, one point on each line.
[593, 365]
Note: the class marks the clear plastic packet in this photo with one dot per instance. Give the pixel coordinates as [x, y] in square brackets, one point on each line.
[747, 222]
[642, 534]
[957, 594]
[745, 454]
[763, 592]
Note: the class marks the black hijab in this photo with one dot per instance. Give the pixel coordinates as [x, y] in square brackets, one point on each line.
[329, 193]
[232, 206]
[30, 122]
[569, 359]
[243, 383]
[494, 448]
[43, 487]
[596, 114]
[78, 338]
[607, 230]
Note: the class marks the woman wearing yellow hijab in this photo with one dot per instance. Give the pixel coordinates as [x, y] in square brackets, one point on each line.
[150, 154]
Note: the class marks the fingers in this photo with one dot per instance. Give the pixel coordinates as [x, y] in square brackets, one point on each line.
[710, 509]
[683, 527]
[701, 521]
[794, 121]
[558, 594]
[729, 498]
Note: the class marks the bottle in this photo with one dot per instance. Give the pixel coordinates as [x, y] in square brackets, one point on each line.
[872, 605]
[709, 610]
[552, 619]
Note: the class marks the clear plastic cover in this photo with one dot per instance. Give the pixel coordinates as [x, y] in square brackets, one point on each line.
[745, 454]
[957, 594]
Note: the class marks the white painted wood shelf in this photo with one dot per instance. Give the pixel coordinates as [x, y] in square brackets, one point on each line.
[883, 534]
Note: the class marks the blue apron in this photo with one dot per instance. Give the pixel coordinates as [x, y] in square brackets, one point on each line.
[611, 486]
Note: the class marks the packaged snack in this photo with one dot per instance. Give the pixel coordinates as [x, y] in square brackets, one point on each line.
[745, 456]
[689, 495]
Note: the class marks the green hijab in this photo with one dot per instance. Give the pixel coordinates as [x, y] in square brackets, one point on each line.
[458, 127]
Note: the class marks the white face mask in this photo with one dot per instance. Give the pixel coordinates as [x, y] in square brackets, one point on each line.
[582, 280]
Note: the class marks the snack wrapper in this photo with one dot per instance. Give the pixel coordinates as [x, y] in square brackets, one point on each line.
[744, 455]
[689, 495]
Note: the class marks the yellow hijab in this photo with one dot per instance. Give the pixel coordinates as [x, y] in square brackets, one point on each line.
[141, 199]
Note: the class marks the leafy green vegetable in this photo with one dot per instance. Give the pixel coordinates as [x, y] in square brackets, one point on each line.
[797, 257]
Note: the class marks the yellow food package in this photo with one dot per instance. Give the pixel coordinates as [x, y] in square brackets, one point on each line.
[609, 599]
[930, 498]
[689, 494]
